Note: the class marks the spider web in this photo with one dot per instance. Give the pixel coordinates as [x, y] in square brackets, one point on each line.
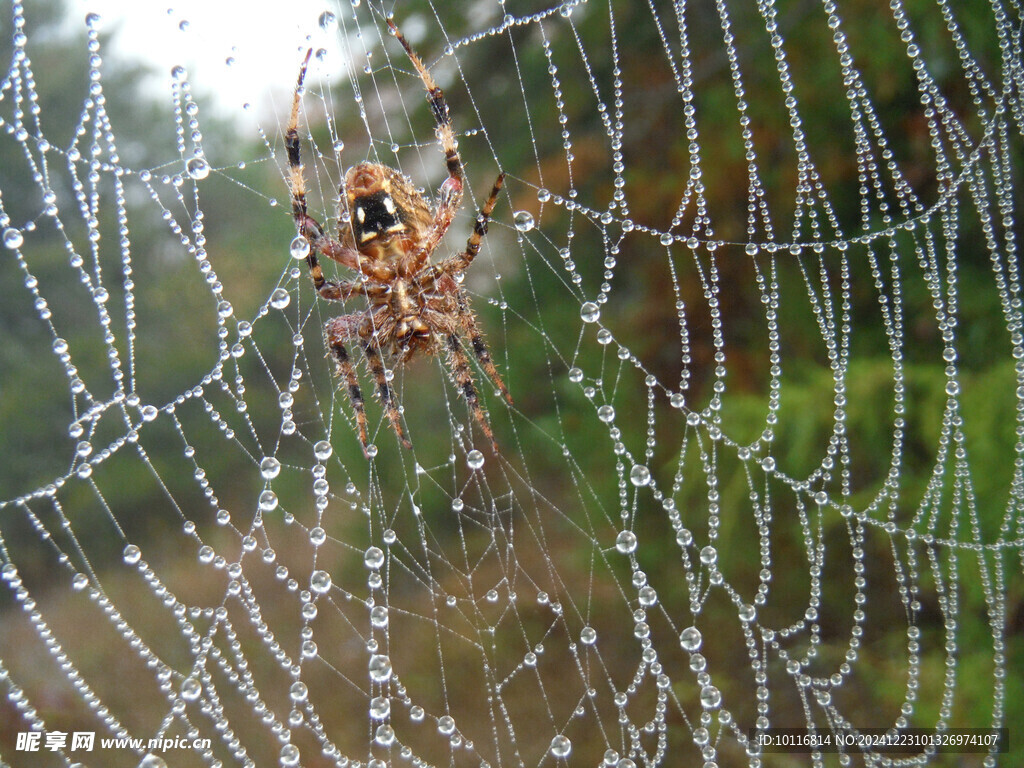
[753, 284]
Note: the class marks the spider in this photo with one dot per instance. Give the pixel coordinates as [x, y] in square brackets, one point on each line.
[415, 306]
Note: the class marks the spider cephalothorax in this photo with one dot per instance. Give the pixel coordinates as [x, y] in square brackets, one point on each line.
[388, 234]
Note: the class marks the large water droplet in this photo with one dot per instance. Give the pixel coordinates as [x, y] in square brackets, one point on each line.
[322, 450]
[474, 459]
[373, 558]
[640, 475]
[320, 581]
[280, 298]
[327, 21]
[380, 708]
[690, 639]
[380, 668]
[606, 413]
[268, 501]
[625, 542]
[561, 746]
[523, 221]
[710, 697]
[289, 755]
[385, 735]
[197, 168]
[270, 468]
[299, 247]
[190, 689]
[588, 636]
[446, 725]
[13, 238]
[590, 312]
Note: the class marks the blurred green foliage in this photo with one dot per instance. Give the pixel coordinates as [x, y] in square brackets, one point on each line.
[176, 341]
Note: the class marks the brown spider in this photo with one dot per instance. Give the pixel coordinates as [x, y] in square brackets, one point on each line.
[390, 234]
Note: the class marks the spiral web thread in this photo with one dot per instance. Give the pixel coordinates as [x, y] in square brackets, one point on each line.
[644, 573]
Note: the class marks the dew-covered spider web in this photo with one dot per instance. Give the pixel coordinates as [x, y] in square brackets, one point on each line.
[753, 283]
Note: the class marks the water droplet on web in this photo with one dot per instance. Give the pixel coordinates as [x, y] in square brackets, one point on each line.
[380, 708]
[152, 761]
[149, 413]
[606, 413]
[131, 554]
[339, 145]
[320, 581]
[379, 616]
[747, 613]
[589, 312]
[380, 668]
[178, 72]
[588, 636]
[190, 689]
[197, 168]
[299, 247]
[317, 536]
[710, 697]
[543, 195]
[640, 475]
[280, 298]
[327, 21]
[523, 221]
[690, 639]
[270, 468]
[474, 459]
[561, 746]
[323, 450]
[417, 713]
[268, 501]
[625, 542]
[373, 558]
[709, 555]
[289, 755]
[604, 336]
[13, 238]
[446, 725]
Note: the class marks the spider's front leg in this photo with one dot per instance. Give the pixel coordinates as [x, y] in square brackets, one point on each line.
[451, 190]
[309, 227]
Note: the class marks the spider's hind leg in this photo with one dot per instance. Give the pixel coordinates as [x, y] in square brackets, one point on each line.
[480, 347]
[464, 379]
[336, 334]
[387, 395]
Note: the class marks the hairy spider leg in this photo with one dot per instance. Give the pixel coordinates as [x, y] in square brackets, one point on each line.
[451, 190]
[464, 379]
[309, 227]
[348, 372]
[480, 347]
[386, 394]
[461, 261]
